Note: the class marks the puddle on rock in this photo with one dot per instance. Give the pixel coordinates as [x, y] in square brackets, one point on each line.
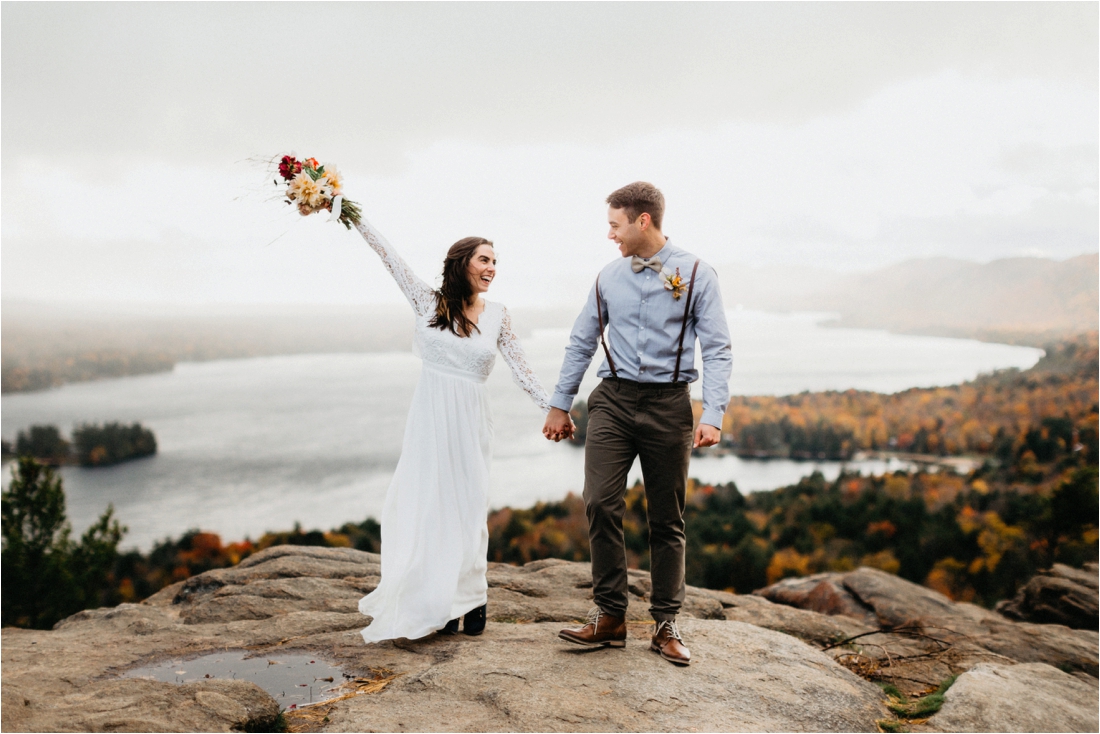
[292, 680]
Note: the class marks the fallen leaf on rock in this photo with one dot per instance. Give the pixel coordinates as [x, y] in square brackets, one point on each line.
[312, 714]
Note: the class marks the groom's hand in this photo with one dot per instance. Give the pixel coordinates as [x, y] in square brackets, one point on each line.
[558, 425]
[706, 435]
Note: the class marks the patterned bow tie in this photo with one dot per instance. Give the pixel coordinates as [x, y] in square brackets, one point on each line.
[637, 264]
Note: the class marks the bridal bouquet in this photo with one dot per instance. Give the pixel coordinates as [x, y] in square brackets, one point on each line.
[313, 187]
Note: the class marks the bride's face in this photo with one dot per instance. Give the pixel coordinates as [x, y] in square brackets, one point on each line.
[482, 268]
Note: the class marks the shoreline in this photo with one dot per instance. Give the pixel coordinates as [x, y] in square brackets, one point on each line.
[112, 362]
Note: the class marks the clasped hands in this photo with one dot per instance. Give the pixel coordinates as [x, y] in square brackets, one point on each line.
[558, 425]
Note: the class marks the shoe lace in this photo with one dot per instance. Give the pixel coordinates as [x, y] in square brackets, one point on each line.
[594, 616]
[673, 630]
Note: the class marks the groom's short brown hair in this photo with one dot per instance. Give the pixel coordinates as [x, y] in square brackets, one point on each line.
[639, 197]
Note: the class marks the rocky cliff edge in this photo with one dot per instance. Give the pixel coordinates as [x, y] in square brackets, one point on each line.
[804, 655]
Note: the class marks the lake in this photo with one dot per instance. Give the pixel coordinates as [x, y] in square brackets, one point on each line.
[258, 444]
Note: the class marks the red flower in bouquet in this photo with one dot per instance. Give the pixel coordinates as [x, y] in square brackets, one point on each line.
[312, 163]
[289, 167]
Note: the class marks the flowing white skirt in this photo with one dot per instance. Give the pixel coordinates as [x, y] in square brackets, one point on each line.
[434, 535]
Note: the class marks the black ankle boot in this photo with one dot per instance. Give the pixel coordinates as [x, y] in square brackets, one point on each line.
[451, 628]
[474, 621]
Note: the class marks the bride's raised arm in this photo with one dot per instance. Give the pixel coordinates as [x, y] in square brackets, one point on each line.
[522, 374]
[420, 294]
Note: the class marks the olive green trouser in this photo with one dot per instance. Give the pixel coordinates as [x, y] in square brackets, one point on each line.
[653, 422]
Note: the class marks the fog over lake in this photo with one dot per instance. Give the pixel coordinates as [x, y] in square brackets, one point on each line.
[258, 444]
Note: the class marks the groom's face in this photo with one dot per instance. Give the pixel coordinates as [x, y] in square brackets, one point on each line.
[627, 234]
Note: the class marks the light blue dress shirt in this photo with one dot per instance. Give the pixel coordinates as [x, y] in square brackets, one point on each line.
[643, 331]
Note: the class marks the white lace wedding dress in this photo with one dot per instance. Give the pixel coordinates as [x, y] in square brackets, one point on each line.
[434, 535]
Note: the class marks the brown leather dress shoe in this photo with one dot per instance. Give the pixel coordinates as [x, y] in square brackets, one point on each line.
[667, 642]
[601, 630]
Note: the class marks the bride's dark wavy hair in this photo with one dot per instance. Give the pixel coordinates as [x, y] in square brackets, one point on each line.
[456, 291]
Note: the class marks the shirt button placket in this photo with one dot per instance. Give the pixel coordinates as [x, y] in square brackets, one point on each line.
[641, 331]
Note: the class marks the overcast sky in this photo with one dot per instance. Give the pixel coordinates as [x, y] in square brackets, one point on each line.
[845, 136]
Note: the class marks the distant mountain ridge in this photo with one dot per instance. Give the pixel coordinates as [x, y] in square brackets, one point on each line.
[1022, 299]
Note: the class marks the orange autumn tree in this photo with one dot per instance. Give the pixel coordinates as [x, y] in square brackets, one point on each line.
[992, 414]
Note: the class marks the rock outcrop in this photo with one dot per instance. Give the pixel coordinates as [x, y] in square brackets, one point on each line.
[878, 599]
[1025, 698]
[142, 705]
[757, 665]
[1062, 595]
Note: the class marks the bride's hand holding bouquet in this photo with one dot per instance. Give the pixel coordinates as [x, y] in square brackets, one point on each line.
[314, 187]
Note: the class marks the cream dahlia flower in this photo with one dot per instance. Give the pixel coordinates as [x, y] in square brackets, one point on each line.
[334, 179]
[307, 192]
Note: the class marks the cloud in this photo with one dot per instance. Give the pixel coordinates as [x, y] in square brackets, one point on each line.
[834, 135]
[207, 82]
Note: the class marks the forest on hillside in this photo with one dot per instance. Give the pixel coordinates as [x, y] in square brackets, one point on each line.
[988, 416]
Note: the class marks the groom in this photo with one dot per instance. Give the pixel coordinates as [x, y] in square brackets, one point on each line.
[654, 302]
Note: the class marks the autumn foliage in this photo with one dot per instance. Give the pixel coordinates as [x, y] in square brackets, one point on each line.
[975, 538]
[990, 415]
[137, 575]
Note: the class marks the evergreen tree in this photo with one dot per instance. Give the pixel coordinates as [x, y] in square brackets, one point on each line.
[43, 443]
[45, 576]
[36, 544]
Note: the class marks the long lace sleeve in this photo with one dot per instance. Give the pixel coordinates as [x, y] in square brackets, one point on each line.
[420, 294]
[522, 374]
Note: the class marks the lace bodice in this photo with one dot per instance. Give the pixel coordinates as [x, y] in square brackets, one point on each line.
[475, 354]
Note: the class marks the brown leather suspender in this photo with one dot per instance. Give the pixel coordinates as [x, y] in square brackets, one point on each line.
[683, 326]
[603, 341]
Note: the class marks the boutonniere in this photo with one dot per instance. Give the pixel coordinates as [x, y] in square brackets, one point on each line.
[673, 282]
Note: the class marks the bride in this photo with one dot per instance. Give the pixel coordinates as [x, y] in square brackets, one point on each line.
[434, 535]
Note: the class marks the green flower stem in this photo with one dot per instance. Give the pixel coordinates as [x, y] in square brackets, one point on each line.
[350, 213]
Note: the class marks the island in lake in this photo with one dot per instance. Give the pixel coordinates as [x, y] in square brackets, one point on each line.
[92, 444]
